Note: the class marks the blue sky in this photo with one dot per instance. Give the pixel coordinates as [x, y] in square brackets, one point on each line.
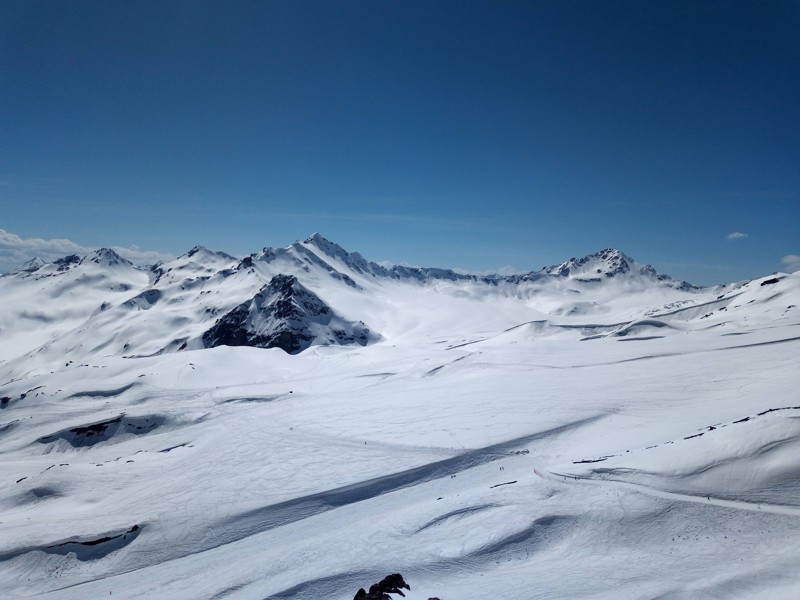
[458, 134]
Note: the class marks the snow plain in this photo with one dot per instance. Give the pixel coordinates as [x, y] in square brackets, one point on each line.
[554, 438]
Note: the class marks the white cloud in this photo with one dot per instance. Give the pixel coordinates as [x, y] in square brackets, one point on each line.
[791, 262]
[736, 235]
[15, 250]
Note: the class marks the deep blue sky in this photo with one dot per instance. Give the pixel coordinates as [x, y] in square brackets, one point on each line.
[456, 134]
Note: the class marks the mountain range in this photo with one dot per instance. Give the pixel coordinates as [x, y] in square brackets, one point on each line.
[310, 293]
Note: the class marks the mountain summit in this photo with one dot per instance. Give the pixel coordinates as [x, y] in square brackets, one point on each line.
[606, 264]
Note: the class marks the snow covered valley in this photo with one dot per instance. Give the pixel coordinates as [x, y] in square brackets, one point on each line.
[301, 423]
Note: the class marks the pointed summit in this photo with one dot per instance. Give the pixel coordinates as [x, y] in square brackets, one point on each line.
[611, 263]
[30, 266]
[608, 262]
[328, 247]
[201, 252]
[105, 257]
[316, 238]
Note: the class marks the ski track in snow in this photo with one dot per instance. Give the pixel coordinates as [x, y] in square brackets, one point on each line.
[775, 509]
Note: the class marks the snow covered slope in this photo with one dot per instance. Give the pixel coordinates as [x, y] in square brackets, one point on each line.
[567, 433]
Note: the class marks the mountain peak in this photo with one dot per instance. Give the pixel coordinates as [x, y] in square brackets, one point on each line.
[197, 250]
[330, 248]
[202, 251]
[30, 266]
[285, 314]
[106, 257]
[317, 238]
[608, 262]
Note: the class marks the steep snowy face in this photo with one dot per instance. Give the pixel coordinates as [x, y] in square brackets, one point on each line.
[284, 314]
[353, 260]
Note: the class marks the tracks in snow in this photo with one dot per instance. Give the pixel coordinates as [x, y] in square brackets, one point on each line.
[775, 509]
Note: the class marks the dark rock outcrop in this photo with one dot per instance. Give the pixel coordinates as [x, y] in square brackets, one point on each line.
[286, 315]
[391, 584]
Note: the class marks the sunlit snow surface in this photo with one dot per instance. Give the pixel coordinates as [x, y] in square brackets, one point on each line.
[630, 442]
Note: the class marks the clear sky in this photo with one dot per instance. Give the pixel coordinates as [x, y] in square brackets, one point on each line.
[461, 134]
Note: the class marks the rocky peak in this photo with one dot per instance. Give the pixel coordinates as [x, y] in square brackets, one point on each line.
[105, 257]
[327, 247]
[285, 314]
[203, 253]
[605, 263]
[67, 262]
[196, 250]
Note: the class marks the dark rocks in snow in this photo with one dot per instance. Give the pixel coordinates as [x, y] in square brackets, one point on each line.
[96, 547]
[286, 315]
[391, 584]
[101, 431]
[145, 300]
[68, 261]
[770, 281]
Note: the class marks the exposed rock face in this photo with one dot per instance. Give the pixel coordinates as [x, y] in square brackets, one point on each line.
[284, 314]
[391, 584]
[68, 261]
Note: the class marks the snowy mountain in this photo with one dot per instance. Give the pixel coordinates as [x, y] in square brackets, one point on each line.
[302, 422]
[606, 264]
[284, 315]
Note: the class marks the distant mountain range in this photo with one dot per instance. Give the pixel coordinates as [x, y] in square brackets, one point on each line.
[310, 293]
